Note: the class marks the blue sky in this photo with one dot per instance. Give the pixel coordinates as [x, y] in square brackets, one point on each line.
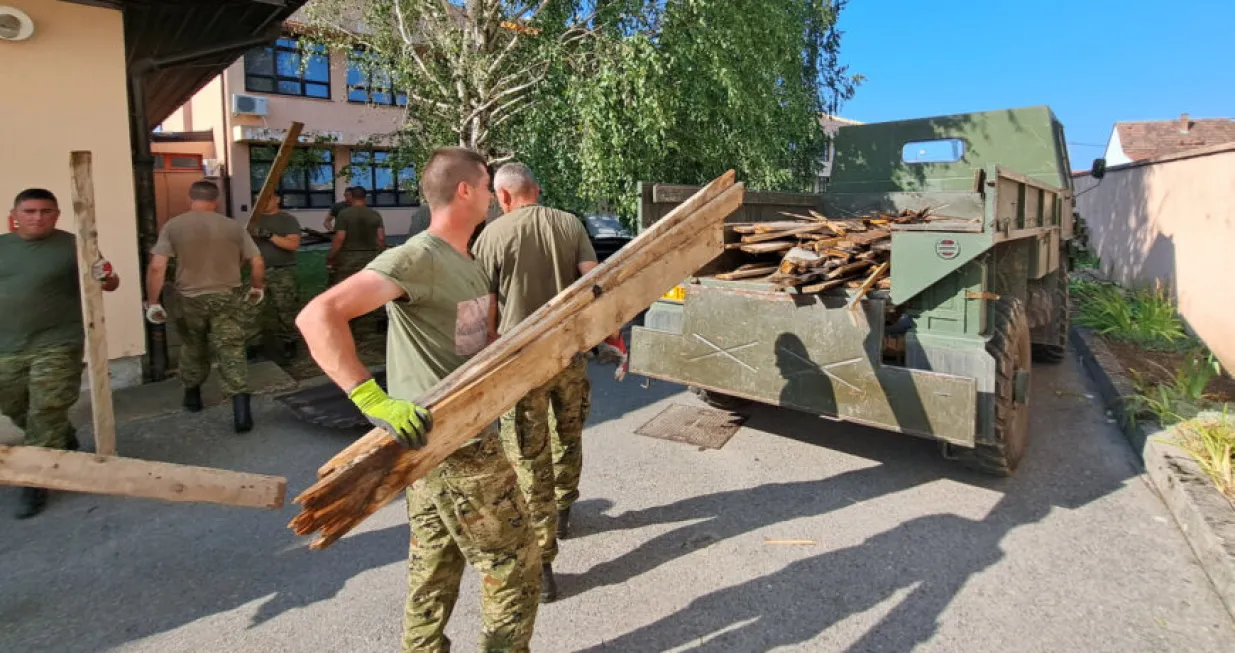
[1094, 62]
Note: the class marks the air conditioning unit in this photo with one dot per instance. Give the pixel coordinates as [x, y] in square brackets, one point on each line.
[15, 24]
[248, 105]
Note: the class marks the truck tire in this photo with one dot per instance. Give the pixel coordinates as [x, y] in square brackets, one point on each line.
[1000, 452]
[1055, 353]
[720, 400]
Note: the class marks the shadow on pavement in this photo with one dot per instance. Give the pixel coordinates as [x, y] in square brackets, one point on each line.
[929, 557]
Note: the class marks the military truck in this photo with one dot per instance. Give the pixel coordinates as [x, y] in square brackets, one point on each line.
[945, 352]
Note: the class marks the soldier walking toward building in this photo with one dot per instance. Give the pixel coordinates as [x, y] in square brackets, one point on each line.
[359, 236]
[209, 249]
[337, 208]
[278, 237]
[41, 334]
[468, 508]
[531, 254]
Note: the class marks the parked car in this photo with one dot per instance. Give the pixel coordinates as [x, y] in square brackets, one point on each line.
[607, 234]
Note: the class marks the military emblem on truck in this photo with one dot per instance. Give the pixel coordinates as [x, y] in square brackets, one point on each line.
[947, 249]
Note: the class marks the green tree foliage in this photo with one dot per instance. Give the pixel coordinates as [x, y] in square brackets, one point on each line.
[597, 95]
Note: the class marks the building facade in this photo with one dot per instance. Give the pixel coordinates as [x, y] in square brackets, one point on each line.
[235, 123]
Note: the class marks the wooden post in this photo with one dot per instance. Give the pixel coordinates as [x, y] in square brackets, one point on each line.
[92, 304]
[83, 472]
[276, 172]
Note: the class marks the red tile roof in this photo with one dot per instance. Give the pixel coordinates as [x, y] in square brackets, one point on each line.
[1149, 139]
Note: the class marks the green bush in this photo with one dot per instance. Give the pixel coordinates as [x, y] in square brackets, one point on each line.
[1144, 317]
[1211, 442]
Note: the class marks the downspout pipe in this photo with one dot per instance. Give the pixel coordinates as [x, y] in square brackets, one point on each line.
[143, 169]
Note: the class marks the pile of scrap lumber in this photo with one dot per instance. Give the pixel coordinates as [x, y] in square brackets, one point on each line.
[375, 469]
[820, 253]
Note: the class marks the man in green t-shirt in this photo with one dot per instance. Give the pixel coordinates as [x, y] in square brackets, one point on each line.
[277, 234]
[359, 236]
[209, 249]
[41, 332]
[337, 208]
[468, 508]
[531, 254]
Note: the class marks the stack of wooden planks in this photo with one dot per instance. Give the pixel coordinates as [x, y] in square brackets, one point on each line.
[820, 253]
[375, 469]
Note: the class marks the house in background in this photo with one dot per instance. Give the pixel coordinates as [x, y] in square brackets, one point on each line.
[236, 121]
[1143, 140]
[98, 75]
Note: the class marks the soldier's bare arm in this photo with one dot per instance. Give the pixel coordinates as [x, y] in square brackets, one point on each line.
[156, 274]
[381, 239]
[335, 245]
[323, 323]
[290, 242]
[257, 272]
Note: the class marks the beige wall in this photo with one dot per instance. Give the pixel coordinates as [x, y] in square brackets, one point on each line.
[210, 109]
[1172, 220]
[73, 72]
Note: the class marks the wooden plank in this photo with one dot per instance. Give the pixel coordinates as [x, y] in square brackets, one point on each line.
[863, 239]
[773, 235]
[375, 469]
[276, 172]
[822, 286]
[747, 273]
[764, 227]
[845, 270]
[866, 285]
[102, 411]
[84, 472]
[763, 248]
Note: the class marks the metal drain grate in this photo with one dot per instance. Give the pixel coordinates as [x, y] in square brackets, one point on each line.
[703, 427]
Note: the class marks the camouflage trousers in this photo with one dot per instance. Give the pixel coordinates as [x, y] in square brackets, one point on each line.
[468, 510]
[37, 388]
[214, 322]
[275, 316]
[346, 264]
[548, 461]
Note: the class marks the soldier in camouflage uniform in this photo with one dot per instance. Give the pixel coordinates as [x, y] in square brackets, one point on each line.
[531, 254]
[41, 332]
[360, 234]
[278, 237]
[469, 508]
[209, 249]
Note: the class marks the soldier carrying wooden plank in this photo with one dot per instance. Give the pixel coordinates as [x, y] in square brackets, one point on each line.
[468, 508]
[41, 332]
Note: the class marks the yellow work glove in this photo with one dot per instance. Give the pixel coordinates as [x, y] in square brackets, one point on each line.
[404, 420]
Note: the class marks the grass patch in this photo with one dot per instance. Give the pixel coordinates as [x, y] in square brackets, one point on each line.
[1181, 397]
[1211, 442]
[1144, 317]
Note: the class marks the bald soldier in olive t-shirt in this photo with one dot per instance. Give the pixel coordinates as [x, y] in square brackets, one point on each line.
[531, 254]
[209, 249]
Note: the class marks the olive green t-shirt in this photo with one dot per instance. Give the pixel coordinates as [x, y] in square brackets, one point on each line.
[337, 208]
[442, 321]
[40, 298]
[530, 255]
[209, 249]
[421, 218]
[361, 224]
[279, 224]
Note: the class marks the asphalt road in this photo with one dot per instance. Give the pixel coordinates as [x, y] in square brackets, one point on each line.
[911, 552]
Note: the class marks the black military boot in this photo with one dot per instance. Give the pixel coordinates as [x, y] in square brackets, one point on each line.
[242, 417]
[33, 500]
[563, 523]
[548, 586]
[193, 399]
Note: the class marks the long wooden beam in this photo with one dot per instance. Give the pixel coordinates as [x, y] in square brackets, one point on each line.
[372, 472]
[276, 172]
[84, 472]
[102, 411]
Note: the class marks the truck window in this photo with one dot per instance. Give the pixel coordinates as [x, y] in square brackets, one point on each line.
[945, 150]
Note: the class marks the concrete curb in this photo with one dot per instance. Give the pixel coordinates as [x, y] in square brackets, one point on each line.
[1204, 515]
